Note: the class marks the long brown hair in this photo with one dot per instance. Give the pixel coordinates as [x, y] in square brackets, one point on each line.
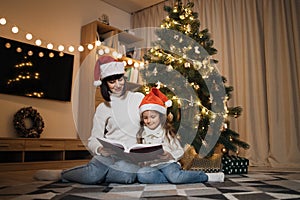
[165, 123]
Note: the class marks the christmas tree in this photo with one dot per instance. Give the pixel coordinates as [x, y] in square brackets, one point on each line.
[180, 63]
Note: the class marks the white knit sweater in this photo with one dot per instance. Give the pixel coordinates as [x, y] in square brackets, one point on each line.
[170, 144]
[120, 118]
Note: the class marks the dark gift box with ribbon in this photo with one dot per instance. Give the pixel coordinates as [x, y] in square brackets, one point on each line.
[234, 164]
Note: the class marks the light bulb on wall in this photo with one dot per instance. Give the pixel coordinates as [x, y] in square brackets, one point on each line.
[15, 29]
[80, 48]
[28, 36]
[38, 42]
[50, 46]
[71, 49]
[2, 21]
[90, 46]
[61, 48]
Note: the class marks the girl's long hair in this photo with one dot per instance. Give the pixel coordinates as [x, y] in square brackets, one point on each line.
[165, 123]
[104, 89]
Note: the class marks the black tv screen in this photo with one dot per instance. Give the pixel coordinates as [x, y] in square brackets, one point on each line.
[33, 71]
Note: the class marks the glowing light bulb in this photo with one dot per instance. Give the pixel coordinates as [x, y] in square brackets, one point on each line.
[15, 29]
[8, 45]
[136, 65]
[61, 48]
[38, 42]
[106, 50]
[90, 46]
[129, 62]
[51, 54]
[119, 56]
[115, 54]
[50, 46]
[28, 36]
[2, 21]
[142, 65]
[80, 48]
[71, 49]
[98, 43]
[101, 52]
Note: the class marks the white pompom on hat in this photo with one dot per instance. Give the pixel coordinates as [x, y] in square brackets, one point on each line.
[155, 100]
[106, 66]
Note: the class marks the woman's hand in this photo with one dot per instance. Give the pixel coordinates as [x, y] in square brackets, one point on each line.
[105, 151]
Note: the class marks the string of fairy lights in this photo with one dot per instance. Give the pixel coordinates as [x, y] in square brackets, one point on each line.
[101, 49]
[50, 45]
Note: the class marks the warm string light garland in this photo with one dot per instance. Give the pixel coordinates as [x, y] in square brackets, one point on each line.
[101, 49]
[49, 45]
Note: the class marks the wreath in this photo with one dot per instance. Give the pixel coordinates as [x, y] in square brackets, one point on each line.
[37, 123]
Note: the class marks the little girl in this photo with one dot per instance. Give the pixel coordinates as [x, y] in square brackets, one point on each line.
[155, 128]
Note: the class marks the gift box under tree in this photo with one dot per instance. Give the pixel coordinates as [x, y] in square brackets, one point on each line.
[234, 164]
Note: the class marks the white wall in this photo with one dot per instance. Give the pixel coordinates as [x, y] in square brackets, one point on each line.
[59, 22]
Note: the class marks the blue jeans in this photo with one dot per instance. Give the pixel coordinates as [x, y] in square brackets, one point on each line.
[102, 169]
[170, 173]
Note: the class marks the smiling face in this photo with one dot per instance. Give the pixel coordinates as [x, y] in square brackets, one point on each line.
[116, 86]
[151, 119]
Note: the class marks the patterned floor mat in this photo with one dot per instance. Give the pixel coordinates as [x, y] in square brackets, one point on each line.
[254, 185]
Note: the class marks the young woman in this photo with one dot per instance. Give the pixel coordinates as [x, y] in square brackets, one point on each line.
[155, 128]
[118, 119]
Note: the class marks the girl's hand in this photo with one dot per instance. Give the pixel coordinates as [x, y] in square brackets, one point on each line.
[166, 156]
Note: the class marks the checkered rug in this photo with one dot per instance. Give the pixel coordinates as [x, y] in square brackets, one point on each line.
[254, 185]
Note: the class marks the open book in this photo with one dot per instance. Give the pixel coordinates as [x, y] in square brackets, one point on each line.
[135, 153]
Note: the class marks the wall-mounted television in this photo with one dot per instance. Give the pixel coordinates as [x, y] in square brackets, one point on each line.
[33, 71]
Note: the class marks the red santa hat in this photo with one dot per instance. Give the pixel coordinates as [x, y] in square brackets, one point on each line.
[155, 100]
[106, 66]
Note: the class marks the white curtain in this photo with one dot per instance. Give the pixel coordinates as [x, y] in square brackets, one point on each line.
[258, 45]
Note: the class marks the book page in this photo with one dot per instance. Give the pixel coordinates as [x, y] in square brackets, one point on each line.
[137, 153]
[111, 142]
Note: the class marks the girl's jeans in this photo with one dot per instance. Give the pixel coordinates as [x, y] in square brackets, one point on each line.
[102, 169]
[170, 173]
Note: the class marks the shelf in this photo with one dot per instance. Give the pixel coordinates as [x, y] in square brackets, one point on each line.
[17, 152]
[92, 31]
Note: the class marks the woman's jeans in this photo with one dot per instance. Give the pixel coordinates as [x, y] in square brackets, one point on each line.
[170, 173]
[102, 169]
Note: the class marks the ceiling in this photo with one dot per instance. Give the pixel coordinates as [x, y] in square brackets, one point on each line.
[132, 6]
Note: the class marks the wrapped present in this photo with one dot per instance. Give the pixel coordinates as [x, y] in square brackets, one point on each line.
[234, 164]
[209, 165]
[192, 161]
[235, 169]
